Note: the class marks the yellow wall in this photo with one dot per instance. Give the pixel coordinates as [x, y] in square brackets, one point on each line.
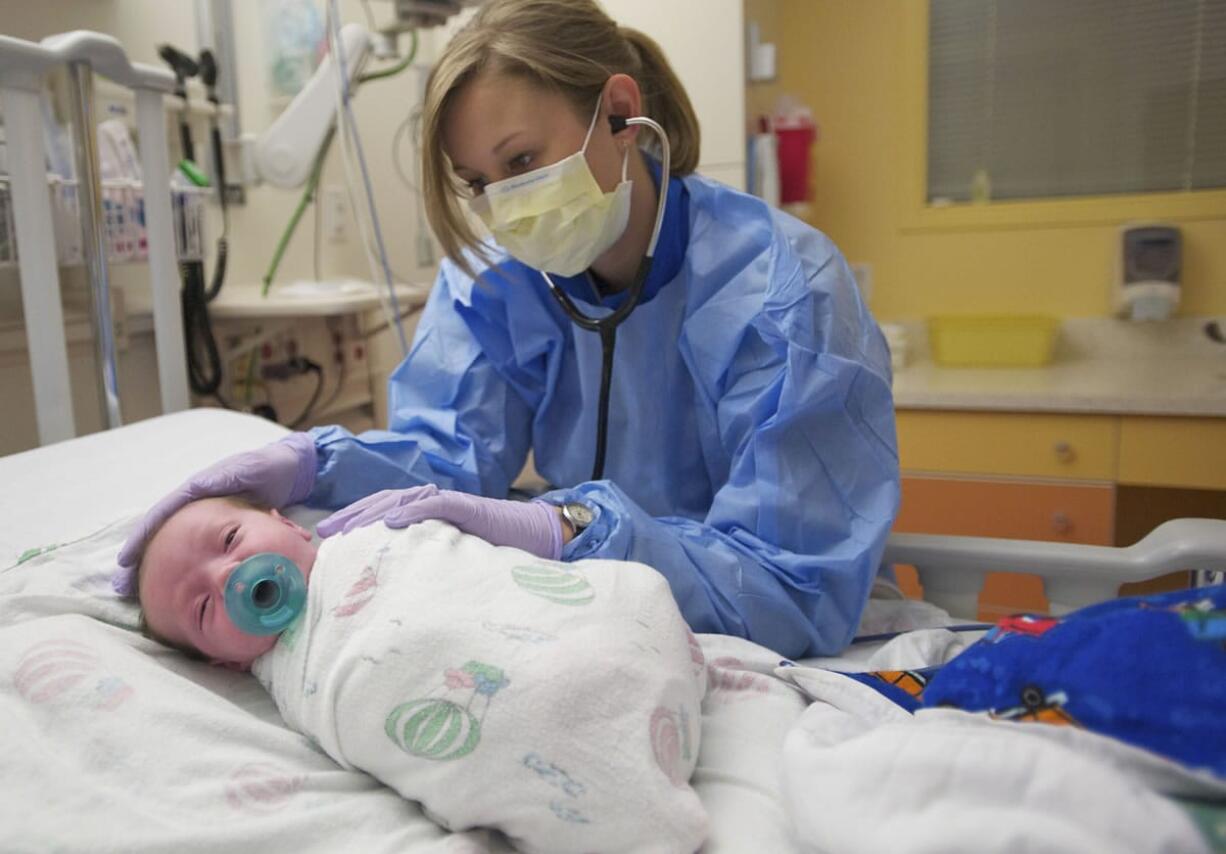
[859, 65]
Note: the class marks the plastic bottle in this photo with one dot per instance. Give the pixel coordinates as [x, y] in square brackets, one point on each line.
[981, 187]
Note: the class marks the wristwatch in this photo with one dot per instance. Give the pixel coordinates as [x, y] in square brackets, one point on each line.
[577, 515]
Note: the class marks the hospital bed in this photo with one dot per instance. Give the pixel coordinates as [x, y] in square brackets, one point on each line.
[111, 742]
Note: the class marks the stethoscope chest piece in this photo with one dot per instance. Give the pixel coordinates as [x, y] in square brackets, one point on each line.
[265, 593]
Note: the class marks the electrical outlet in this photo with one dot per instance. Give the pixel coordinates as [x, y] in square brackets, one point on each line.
[335, 214]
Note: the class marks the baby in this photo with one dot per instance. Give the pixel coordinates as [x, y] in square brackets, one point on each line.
[559, 703]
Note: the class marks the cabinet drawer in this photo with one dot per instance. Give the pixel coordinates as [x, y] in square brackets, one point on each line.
[1054, 512]
[1187, 452]
[1077, 447]
[1020, 510]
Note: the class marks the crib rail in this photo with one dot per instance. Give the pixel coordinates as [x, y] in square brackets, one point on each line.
[23, 67]
[952, 569]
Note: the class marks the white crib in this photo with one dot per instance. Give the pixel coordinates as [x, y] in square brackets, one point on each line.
[23, 68]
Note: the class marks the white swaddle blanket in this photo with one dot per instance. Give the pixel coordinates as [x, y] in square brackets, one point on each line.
[557, 702]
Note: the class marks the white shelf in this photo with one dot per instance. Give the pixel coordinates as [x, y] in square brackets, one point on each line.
[311, 299]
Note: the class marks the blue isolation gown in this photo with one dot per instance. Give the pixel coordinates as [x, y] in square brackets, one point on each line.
[752, 456]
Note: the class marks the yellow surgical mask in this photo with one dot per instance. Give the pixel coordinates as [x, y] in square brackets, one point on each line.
[556, 219]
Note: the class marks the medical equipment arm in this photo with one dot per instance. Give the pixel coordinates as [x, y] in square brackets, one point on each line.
[285, 153]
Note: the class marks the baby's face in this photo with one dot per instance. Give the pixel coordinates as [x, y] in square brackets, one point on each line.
[186, 566]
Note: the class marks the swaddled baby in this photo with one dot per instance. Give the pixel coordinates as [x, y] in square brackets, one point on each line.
[557, 702]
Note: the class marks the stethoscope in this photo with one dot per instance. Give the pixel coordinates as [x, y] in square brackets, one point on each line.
[607, 324]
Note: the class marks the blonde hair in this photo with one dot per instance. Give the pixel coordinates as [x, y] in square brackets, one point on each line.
[568, 46]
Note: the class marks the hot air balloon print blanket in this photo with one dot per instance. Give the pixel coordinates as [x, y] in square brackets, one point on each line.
[557, 702]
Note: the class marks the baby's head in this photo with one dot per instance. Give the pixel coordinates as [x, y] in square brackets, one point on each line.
[182, 577]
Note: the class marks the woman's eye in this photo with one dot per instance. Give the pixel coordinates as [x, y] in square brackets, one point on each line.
[230, 536]
[520, 163]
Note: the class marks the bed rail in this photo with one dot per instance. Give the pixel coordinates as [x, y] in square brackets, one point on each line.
[952, 569]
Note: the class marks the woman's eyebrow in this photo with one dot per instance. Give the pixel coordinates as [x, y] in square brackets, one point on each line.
[456, 166]
[505, 140]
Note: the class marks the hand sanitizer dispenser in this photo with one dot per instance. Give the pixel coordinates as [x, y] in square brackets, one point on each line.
[1148, 268]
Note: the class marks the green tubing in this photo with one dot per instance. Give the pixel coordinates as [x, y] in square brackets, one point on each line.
[308, 196]
[393, 70]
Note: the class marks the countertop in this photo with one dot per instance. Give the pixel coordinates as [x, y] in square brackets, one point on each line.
[1101, 366]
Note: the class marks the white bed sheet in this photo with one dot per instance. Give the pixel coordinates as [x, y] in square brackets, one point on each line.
[117, 744]
[111, 742]
[67, 490]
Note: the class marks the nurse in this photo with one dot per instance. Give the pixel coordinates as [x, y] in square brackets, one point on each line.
[750, 453]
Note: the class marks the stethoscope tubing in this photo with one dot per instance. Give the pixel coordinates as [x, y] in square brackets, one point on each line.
[607, 324]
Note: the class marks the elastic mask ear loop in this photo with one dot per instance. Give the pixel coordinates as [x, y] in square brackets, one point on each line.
[591, 127]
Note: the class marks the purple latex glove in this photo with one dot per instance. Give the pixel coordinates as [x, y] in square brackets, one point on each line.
[533, 526]
[278, 474]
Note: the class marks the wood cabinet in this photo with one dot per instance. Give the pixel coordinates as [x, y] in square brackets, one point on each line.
[1000, 443]
[1051, 477]
[1180, 452]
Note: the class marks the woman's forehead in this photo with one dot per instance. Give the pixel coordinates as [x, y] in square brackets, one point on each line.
[491, 106]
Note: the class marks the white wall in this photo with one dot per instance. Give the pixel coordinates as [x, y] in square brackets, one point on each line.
[703, 39]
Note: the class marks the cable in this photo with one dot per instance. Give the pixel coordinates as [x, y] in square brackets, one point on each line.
[208, 74]
[253, 361]
[315, 241]
[203, 360]
[315, 368]
[396, 135]
[340, 385]
[204, 367]
[349, 134]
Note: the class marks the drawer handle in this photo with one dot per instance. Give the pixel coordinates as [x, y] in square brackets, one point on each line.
[1061, 523]
[1064, 452]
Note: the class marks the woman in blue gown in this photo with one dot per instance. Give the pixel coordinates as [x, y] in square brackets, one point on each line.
[751, 452]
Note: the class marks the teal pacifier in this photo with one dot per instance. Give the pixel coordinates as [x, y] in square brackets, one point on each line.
[265, 593]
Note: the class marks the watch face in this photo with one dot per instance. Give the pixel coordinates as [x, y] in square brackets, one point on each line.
[580, 514]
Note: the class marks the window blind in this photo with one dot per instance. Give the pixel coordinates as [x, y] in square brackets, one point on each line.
[1051, 98]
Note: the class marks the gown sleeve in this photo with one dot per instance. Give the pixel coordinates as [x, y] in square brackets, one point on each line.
[455, 420]
[788, 551]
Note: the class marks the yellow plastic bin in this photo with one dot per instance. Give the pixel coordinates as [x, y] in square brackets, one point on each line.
[983, 341]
